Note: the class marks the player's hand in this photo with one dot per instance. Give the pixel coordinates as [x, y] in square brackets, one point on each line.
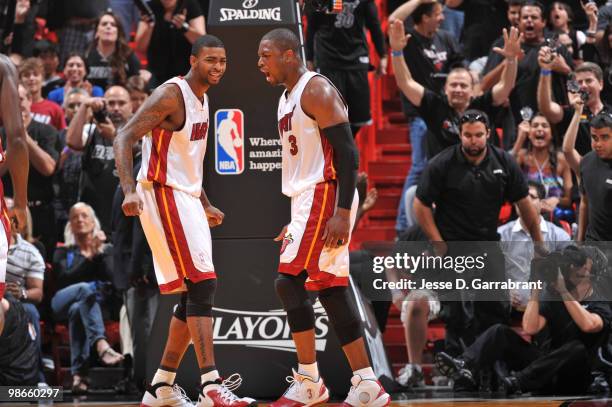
[214, 216]
[337, 229]
[132, 205]
[397, 36]
[107, 129]
[281, 235]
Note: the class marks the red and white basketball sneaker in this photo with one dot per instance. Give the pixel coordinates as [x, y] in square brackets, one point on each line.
[164, 395]
[220, 393]
[366, 393]
[303, 392]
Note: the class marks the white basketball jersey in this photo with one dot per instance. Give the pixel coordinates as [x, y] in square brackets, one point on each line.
[307, 154]
[176, 159]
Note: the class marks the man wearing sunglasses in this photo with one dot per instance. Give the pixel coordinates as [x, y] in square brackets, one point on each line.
[468, 183]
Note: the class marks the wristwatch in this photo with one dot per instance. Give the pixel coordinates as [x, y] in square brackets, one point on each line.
[185, 27]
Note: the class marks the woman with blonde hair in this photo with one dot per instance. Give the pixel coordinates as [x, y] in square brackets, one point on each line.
[83, 268]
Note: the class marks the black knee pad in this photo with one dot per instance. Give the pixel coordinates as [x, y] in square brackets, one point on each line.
[293, 295]
[180, 311]
[201, 297]
[342, 313]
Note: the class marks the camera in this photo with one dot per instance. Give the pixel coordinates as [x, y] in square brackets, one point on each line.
[101, 115]
[574, 87]
[554, 44]
[547, 268]
[325, 6]
[144, 9]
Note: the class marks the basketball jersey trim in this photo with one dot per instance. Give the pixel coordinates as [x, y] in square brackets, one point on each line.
[158, 163]
[311, 245]
[175, 235]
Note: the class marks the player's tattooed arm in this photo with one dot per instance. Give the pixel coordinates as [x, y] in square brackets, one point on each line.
[157, 109]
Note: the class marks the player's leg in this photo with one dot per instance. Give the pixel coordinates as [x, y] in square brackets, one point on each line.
[346, 322]
[163, 391]
[307, 387]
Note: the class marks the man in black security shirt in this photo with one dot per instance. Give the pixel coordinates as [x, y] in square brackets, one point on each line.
[42, 141]
[468, 183]
[441, 113]
[578, 320]
[595, 217]
[531, 26]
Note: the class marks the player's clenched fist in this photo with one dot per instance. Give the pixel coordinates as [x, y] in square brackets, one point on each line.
[214, 216]
[132, 205]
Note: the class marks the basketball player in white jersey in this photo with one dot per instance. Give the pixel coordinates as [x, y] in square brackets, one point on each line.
[319, 171]
[175, 215]
[16, 158]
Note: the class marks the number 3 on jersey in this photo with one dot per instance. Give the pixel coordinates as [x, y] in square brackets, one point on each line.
[293, 141]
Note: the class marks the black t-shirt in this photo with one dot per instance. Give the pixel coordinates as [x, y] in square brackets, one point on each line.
[467, 197]
[40, 187]
[18, 350]
[443, 121]
[583, 138]
[562, 327]
[596, 184]
[338, 41]
[527, 77]
[169, 49]
[99, 178]
[484, 20]
[86, 8]
[101, 73]
[71, 267]
[429, 59]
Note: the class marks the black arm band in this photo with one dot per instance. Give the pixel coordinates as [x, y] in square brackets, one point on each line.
[346, 161]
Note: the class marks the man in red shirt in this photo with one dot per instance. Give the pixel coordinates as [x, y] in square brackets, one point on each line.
[31, 73]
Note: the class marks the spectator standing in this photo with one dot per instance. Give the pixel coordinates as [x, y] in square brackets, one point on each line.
[589, 77]
[75, 71]
[531, 26]
[337, 47]
[99, 179]
[110, 59]
[543, 163]
[31, 73]
[595, 215]
[431, 54]
[167, 40]
[42, 141]
[48, 54]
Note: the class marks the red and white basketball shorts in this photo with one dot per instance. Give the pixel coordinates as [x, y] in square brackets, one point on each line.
[5, 238]
[302, 247]
[176, 228]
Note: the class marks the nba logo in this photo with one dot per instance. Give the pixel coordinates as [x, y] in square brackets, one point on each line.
[229, 141]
